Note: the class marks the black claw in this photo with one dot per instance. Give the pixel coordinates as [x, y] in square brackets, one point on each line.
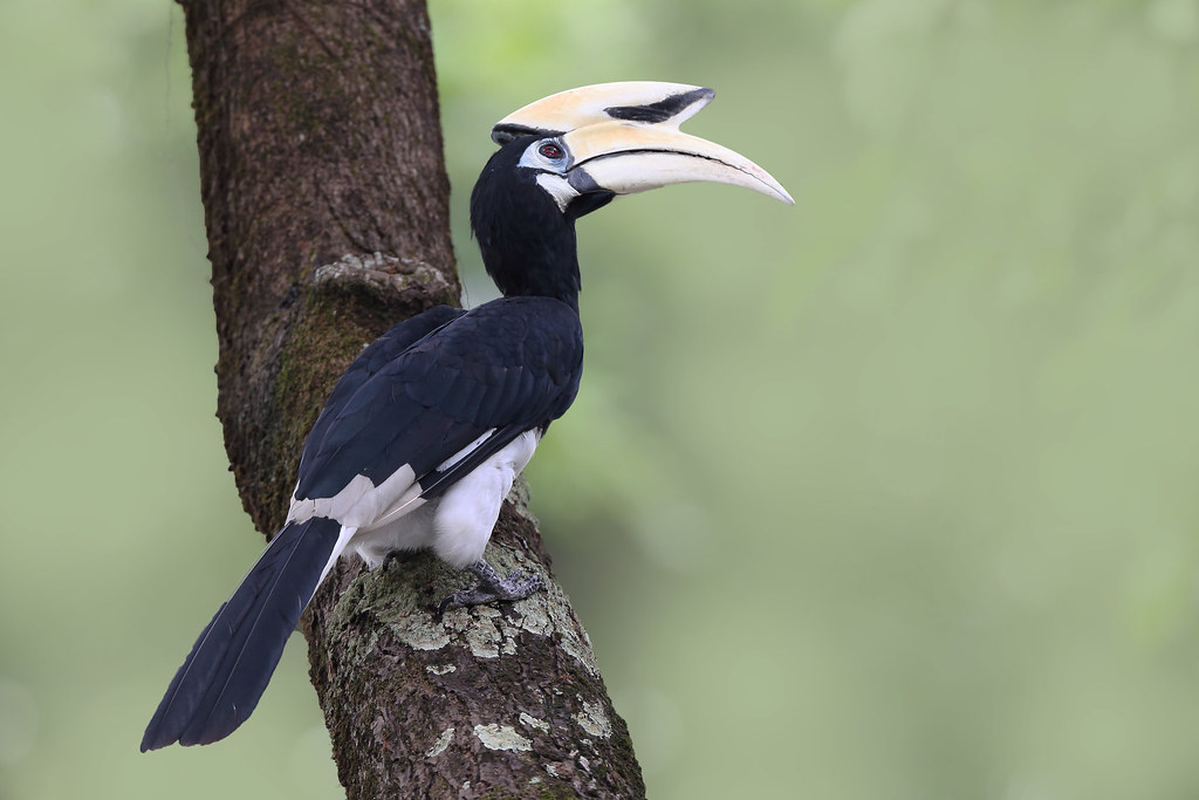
[492, 587]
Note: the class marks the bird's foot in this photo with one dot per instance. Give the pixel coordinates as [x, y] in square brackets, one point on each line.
[491, 586]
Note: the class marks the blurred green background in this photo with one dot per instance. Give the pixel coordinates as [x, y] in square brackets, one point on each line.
[888, 495]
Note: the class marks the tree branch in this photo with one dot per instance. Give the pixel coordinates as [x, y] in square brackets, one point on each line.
[326, 204]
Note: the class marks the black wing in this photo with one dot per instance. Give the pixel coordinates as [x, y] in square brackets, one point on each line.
[506, 367]
[374, 357]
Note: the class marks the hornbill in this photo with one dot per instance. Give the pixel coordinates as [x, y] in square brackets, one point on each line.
[423, 435]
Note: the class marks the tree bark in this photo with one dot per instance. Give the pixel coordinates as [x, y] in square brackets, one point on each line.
[326, 205]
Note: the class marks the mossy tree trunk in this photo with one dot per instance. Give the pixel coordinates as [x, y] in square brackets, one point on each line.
[326, 205]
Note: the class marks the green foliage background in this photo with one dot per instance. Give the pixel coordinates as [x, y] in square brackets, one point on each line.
[888, 495]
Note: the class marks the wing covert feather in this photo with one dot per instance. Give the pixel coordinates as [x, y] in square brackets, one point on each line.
[512, 365]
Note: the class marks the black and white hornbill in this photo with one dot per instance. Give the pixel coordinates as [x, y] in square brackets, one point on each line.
[423, 435]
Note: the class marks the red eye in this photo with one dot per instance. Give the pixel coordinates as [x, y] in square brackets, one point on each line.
[551, 151]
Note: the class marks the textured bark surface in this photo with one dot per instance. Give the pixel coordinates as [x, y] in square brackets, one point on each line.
[326, 204]
[492, 701]
[319, 139]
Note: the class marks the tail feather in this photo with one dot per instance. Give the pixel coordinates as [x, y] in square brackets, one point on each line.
[231, 663]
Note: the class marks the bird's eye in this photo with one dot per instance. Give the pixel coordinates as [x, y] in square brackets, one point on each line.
[551, 151]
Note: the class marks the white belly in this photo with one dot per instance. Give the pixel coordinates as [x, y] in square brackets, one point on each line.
[456, 525]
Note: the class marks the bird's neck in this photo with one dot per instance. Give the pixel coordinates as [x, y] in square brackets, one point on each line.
[532, 257]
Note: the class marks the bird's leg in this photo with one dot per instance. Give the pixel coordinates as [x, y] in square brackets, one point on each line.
[491, 586]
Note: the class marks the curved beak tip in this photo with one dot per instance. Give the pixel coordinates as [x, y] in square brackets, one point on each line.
[775, 189]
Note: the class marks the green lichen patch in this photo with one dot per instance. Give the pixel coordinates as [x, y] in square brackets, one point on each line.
[443, 742]
[501, 737]
[594, 720]
[529, 721]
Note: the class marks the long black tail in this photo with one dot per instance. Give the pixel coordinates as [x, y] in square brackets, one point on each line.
[231, 663]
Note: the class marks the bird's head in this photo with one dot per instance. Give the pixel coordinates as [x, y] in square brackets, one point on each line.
[570, 153]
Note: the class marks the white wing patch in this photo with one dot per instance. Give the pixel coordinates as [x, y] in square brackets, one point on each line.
[360, 503]
[464, 452]
[376, 520]
[343, 538]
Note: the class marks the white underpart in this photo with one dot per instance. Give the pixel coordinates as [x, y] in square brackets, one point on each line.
[467, 513]
[380, 520]
[558, 188]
